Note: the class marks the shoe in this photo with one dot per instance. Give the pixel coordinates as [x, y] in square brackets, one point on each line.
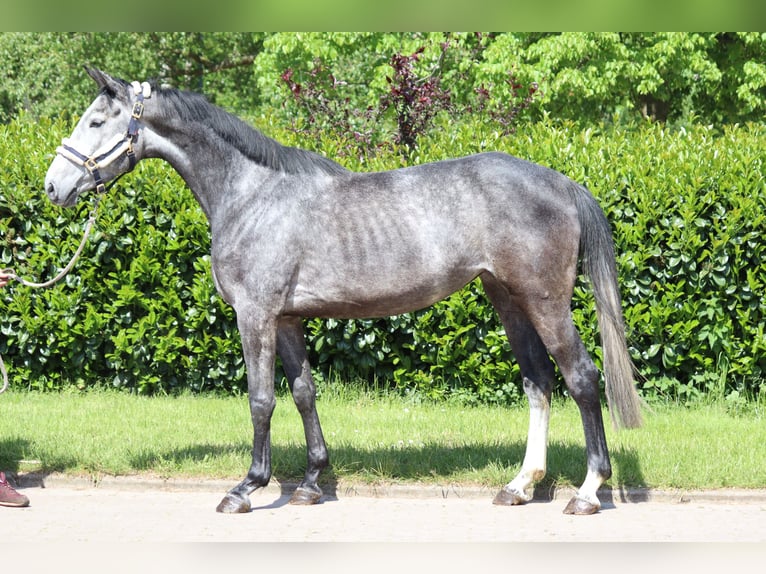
[8, 496]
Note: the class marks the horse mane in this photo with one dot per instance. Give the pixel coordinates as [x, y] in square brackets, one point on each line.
[190, 106]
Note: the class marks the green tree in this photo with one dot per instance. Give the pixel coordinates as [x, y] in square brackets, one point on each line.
[586, 77]
[590, 77]
[583, 76]
[42, 72]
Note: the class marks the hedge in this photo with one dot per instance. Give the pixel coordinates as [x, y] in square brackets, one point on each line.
[140, 312]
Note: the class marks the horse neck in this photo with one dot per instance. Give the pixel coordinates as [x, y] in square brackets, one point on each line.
[207, 166]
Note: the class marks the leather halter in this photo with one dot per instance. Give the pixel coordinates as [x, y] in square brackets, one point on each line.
[115, 147]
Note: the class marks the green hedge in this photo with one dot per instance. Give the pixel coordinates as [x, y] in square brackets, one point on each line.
[140, 311]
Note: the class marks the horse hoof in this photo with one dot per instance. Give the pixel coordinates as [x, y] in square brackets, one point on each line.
[580, 506]
[305, 497]
[508, 498]
[233, 505]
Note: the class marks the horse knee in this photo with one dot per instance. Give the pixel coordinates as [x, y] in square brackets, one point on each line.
[261, 408]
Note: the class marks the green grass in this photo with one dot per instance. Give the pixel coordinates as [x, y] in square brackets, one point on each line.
[371, 439]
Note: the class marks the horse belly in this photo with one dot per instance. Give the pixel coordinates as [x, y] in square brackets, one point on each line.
[375, 292]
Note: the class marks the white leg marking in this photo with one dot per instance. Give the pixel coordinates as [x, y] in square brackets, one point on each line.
[587, 491]
[535, 459]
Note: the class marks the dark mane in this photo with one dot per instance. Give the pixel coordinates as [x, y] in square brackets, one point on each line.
[249, 141]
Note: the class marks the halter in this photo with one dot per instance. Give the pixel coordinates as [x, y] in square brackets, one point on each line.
[115, 147]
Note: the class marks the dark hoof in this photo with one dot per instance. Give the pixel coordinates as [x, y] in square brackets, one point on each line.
[508, 498]
[305, 496]
[233, 505]
[581, 507]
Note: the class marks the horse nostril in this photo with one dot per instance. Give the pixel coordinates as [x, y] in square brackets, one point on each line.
[50, 190]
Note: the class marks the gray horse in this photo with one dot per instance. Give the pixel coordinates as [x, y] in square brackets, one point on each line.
[296, 235]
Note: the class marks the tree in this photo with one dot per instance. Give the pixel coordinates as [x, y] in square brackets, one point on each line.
[586, 77]
[42, 73]
[591, 77]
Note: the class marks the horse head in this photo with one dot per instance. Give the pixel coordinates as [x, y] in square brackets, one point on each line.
[104, 144]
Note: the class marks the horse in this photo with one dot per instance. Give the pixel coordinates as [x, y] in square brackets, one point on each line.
[295, 235]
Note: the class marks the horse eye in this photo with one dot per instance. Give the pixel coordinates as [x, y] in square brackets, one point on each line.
[96, 123]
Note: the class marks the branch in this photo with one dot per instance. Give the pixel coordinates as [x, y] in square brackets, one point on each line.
[208, 66]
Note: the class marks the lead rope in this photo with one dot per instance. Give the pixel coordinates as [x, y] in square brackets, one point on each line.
[5, 375]
[142, 91]
[11, 274]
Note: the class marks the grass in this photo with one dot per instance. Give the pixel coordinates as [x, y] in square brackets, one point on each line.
[372, 439]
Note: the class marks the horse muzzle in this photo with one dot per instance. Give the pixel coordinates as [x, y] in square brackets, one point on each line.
[61, 194]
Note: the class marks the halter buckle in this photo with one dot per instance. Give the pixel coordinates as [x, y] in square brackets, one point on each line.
[138, 109]
[90, 164]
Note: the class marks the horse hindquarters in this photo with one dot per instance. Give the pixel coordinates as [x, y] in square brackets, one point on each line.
[532, 287]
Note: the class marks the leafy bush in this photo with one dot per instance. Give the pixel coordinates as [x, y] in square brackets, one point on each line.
[687, 209]
[412, 101]
[140, 312]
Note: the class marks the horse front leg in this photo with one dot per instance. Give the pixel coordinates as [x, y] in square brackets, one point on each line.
[259, 348]
[291, 347]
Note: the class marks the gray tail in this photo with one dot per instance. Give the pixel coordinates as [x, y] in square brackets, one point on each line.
[598, 263]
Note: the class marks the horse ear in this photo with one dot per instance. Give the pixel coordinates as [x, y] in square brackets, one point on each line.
[114, 87]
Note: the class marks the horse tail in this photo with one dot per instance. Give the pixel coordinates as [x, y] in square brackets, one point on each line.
[599, 265]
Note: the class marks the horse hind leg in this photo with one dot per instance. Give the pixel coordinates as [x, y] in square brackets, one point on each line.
[291, 347]
[554, 323]
[538, 374]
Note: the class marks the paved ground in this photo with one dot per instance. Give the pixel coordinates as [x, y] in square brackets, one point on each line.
[130, 526]
[74, 510]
